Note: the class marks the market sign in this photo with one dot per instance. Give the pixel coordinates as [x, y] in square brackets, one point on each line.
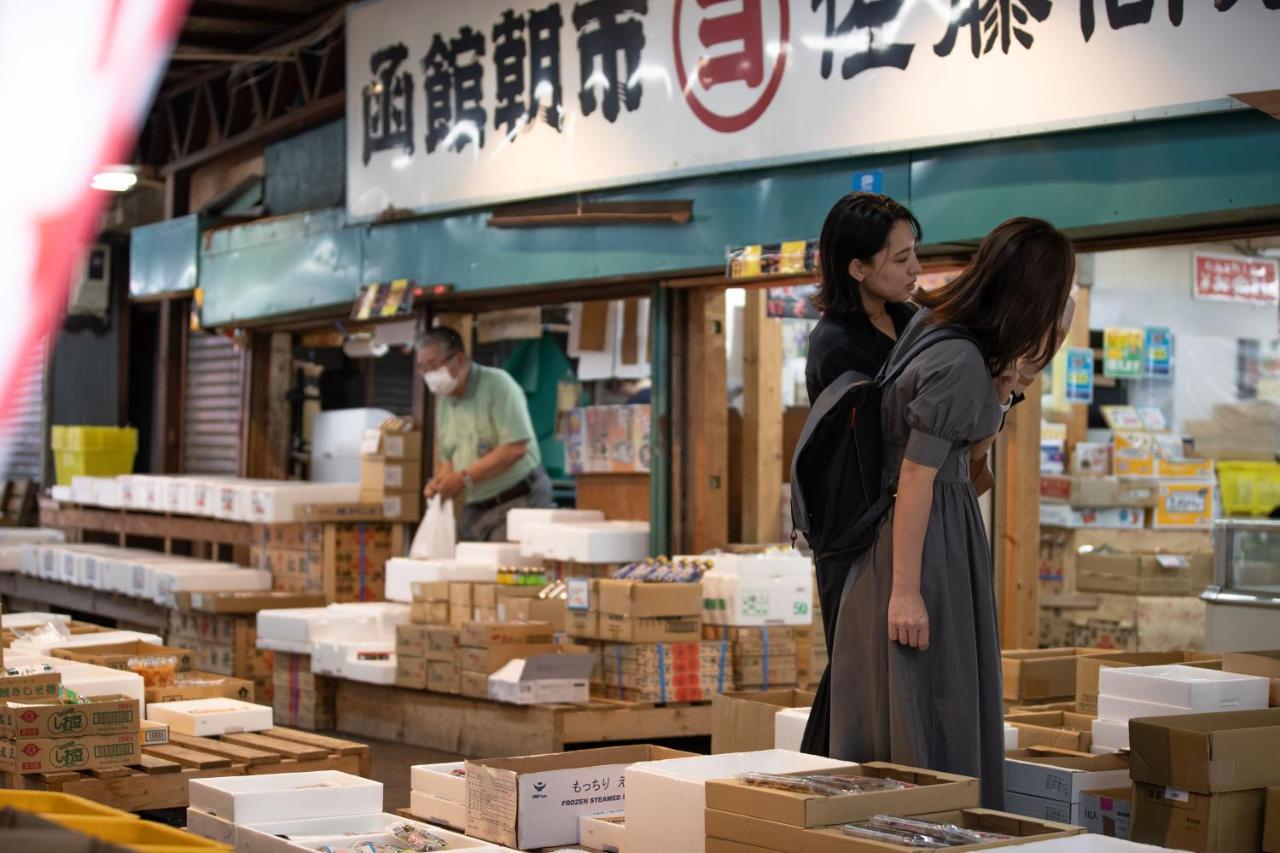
[1236, 278]
[1122, 355]
[452, 105]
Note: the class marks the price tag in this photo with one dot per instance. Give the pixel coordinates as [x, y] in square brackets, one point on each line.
[1177, 795]
[579, 594]
[1173, 561]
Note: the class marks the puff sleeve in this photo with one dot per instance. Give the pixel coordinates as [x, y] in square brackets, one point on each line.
[951, 390]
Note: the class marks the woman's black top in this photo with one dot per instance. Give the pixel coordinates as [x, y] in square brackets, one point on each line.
[843, 342]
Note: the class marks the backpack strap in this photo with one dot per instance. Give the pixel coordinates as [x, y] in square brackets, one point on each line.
[894, 367]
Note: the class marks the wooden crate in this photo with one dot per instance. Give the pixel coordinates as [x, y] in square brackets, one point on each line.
[161, 780]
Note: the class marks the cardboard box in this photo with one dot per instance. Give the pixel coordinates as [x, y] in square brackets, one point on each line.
[442, 643]
[411, 640]
[444, 676]
[1041, 773]
[582, 623]
[1185, 820]
[102, 715]
[379, 444]
[1107, 811]
[431, 591]
[1088, 666]
[482, 634]
[475, 684]
[1043, 808]
[531, 802]
[773, 671]
[54, 755]
[411, 672]
[544, 679]
[744, 721]
[607, 833]
[154, 734]
[549, 610]
[1138, 574]
[489, 660]
[1185, 469]
[1263, 664]
[1057, 729]
[1141, 623]
[1271, 827]
[203, 685]
[205, 717]
[1091, 458]
[1208, 753]
[484, 614]
[1041, 674]
[429, 613]
[246, 800]
[935, 792]
[624, 629]
[118, 655]
[38, 687]
[1184, 505]
[379, 476]
[639, 599]
[461, 594]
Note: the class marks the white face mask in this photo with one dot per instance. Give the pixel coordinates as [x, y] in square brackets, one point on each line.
[440, 381]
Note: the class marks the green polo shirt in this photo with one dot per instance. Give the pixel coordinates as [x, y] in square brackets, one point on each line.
[491, 412]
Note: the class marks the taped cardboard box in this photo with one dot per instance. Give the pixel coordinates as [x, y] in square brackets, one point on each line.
[1107, 811]
[932, 792]
[1263, 664]
[744, 721]
[1208, 753]
[1185, 820]
[483, 634]
[765, 672]
[1141, 623]
[1088, 667]
[411, 672]
[492, 658]
[1143, 574]
[527, 803]
[437, 591]
[53, 755]
[411, 640]
[382, 476]
[430, 613]
[640, 599]
[1041, 674]
[624, 629]
[444, 676]
[1057, 729]
[102, 715]
[528, 609]
[474, 685]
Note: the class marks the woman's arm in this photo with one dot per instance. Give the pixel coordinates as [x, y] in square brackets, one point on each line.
[908, 618]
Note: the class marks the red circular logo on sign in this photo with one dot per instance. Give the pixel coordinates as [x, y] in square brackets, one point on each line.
[745, 65]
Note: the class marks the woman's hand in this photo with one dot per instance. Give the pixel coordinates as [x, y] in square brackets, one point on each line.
[908, 620]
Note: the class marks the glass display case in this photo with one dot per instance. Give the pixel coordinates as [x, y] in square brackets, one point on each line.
[1242, 607]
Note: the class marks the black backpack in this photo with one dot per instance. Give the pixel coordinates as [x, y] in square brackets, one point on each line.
[837, 490]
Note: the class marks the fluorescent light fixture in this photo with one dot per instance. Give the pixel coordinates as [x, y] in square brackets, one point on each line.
[116, 179]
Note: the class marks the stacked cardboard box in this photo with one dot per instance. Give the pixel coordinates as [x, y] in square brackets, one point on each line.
[455, 602]
[226, 644]
[764, 658]
[1048, 784]
[343, 560]
[302, 699]
[49, 736]
[1200, 781]
[485, 647]
[438, 794]
[664, 672]
[1265, 664]
[626, 611]
[428, 658]
[1107, 811]
[1088, 667]
[1041, 676]
[746, 721]
[391, 469]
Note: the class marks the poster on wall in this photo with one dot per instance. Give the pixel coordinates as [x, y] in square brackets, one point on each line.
[455, 105]
[1122, 353]
[1236, 278]
[1079, 375]
[1158, 351]
[792, 303]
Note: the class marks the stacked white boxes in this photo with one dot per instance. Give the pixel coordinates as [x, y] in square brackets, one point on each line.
[438, 794]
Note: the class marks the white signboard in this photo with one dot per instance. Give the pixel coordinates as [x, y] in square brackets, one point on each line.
[454, 104]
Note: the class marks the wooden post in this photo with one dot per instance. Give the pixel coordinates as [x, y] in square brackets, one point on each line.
[707, 445]
[1017, 524]
[460, 323]
[269, 422]
[762, 421]
[171, 369]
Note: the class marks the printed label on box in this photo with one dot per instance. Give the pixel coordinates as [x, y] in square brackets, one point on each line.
[579, 594]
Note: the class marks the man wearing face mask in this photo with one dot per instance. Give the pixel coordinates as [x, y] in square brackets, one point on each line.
[488, 451]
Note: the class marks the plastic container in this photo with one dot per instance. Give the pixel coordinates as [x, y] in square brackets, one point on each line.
[1249, 488]
[88, 451]
[50, 803]
[136, 834]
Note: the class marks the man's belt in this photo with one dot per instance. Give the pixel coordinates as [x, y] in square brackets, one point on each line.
[519, 490]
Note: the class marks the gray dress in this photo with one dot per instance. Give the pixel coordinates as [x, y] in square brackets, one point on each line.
[940, 709]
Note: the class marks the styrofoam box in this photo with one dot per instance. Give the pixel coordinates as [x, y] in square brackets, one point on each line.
[82, 489]
[321, 833]
[62, 494]
[787, 564]
[607, 833]
[1123, 710]
[31, 619]
[519, 519]
[246, 800]
[85, 678]
[745, 601]
[437, 811]
[1027, 777]
[666, 799]
[206, 577]
[108, 492]
[1111, 735]
[1010, 738]
[404, 572]
[1199, 690]
[275, 503]
[33, 646]
[297, 629]
[588, 542]
[1085, 844]
[439, 780]
[205, 717]
[495, 554]
[788, 728]
[30, 536]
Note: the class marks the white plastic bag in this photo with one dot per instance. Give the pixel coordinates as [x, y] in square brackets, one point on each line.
[437, 534]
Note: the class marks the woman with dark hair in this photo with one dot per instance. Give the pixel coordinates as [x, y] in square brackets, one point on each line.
[916, 659]
[869, 267]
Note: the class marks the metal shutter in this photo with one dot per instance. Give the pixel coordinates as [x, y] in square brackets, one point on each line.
[213, 406]
[27, 437]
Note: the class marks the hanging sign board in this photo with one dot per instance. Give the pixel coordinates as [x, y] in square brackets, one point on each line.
[1079, 375]
[454, 105]
[792, 303]
[1122, 353]
[795, 257]
[1158, 351]
[1236, 278]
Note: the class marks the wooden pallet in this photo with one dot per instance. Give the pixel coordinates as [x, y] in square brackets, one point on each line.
[160, 781]
[478, 728]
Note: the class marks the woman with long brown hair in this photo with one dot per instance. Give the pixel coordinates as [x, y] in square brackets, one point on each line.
[915, 666]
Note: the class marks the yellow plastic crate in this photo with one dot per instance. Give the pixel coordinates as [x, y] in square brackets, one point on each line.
[95, 438]
[1249, 488]
[53, 803]
[89, 451]
[136, 834]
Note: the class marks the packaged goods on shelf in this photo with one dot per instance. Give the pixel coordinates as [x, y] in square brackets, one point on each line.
[502, 807]
[518, 520]
[587, 542]
[1091, 458]
[1182, 505]
[1109, 518]
[302, 699]
[668, 798]
[665, 672]
[16, 541]
[1050, 787]
[1088, 667]
[403, 572]
[1182, 797]
[485, 634]
[205, 717]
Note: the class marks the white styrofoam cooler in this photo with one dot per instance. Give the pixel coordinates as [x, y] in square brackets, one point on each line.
[446, 781]
[208, 717]
[341, 658]
[750, 601]
[1123, 710]
[667, 799]
[788, 728]
[42, 645]
[587, 542]
[403, 572]
[1199, 690]
[494, 554]
[1084, 844]
[336, 833]
[286, 796]
[31, 619]
[519, 519]
[275, 503]
[1110, 735]
[438, 811]
[298, 629]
